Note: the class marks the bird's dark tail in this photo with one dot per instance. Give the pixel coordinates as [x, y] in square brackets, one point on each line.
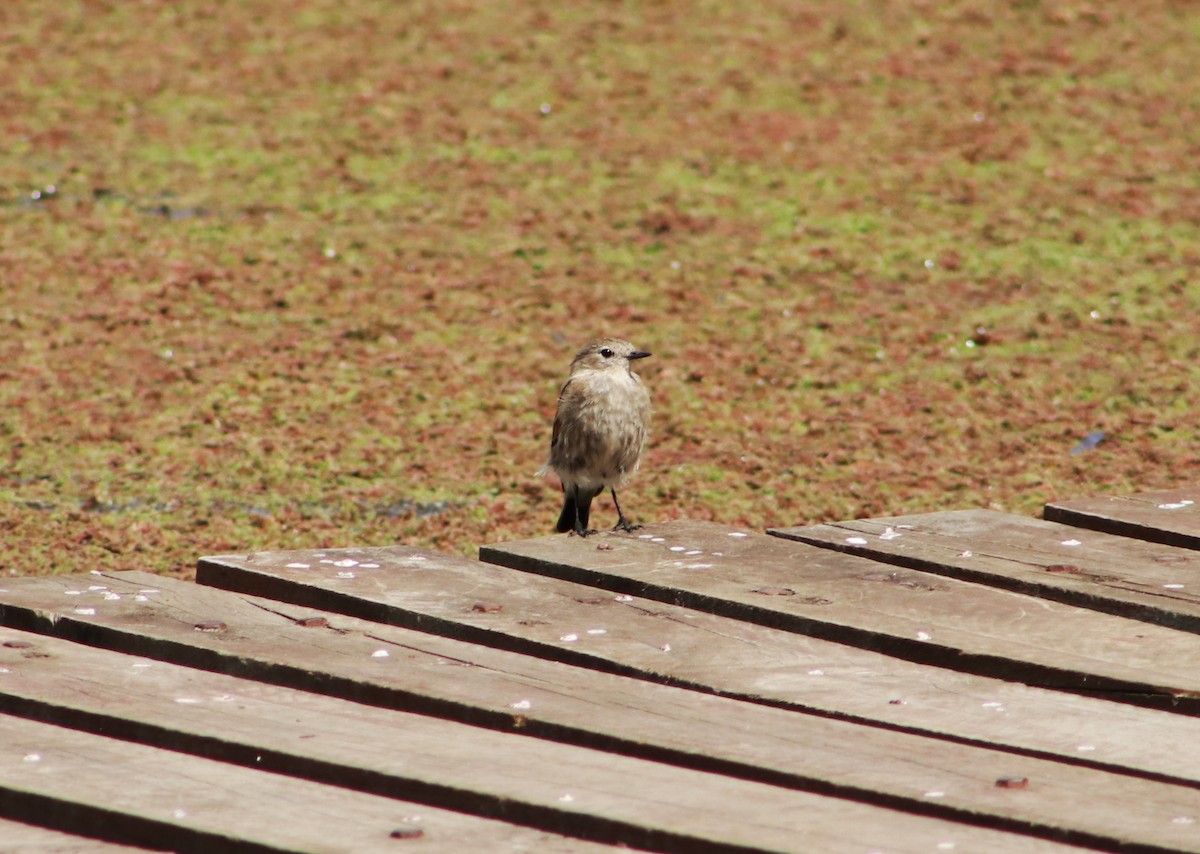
[577, 506]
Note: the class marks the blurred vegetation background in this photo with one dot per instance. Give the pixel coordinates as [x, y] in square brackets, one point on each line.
[309, 273]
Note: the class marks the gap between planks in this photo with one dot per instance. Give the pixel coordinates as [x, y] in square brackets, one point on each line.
[922, 618]
[834, 815]
[739, 660]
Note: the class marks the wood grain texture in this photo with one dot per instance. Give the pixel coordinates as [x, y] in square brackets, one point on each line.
[506, 694]
[663, 808]
[1093, 570]
[138, 795]
[905, 613]
[21, 838]
[1170, 517]
[389, 584]
[560, 620]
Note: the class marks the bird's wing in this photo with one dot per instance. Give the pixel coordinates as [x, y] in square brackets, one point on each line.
[558, 414]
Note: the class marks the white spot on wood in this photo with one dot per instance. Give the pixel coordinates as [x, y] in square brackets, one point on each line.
[1086, 748]
[113, 597]
[569, 638]
[32, 757]
[935, 793]
[890, 534]
[597, 631]
[645, 536]
[946, 846]
[1071, 543]
[737, 535]
[691, 552]
[149, 590]
[856, 541]
[1172, 586]
[179, 813]
[658, 539]
[96, 587]
[1177, 505]
[817, 672]
[666, 647]
[967, 553]
[368, 566]
[522, 704]
[379, 653]
[622, 597]
[86, 612]
[566, 797]
[143, 664]
[5, 670]
[187, 701]
[345, 575]
[699, 566]
[924, 636]
[298, 566]
[346, 562]
[141, 598]
[1183, 819]
[678, 548]
[72, 592]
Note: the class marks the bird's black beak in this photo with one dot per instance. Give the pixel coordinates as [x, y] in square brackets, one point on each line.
[637, 354]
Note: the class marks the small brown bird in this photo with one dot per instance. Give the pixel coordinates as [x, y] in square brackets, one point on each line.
[599, 430]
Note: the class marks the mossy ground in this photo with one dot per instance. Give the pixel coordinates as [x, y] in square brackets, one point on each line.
[309, 274]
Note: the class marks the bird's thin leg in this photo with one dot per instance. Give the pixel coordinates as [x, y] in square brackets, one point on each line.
[580, 529]
[623, 524]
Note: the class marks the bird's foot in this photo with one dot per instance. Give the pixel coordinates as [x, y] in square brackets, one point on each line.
[583, 532]
[625, 525]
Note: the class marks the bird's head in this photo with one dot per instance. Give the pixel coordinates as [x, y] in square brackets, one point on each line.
[607, 354]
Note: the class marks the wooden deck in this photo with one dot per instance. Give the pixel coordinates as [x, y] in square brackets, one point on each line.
[963, 682]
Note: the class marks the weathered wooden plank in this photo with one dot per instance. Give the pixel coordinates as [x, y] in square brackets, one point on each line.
[907, 613]
[712, 733]
[1097, 571]
[128, 793]
[20, 838]
[287, 731]
[1171, 517]
[395, 588]
[562, 620]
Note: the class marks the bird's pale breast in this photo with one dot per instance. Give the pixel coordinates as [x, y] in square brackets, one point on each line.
[602, 423]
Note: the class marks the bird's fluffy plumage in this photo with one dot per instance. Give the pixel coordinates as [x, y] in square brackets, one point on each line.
[599, 428]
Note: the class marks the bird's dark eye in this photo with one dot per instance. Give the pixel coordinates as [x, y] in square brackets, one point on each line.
[607, 353]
